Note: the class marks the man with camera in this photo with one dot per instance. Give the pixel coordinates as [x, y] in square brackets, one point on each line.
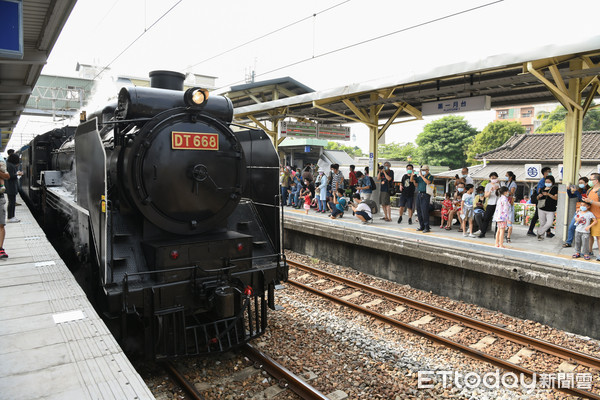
[407, 194]
[386, 177]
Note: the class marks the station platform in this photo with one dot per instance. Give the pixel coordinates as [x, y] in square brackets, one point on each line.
[537, 280]
[53, 345]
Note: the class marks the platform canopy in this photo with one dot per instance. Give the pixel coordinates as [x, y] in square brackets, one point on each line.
[537, 76]
[42, 22]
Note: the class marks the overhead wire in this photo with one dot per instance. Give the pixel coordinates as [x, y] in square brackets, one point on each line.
[267, 34]
[135, 40]
[369, 40]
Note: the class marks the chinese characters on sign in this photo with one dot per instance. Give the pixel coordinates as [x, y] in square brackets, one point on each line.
[476, 103]
[310, 130]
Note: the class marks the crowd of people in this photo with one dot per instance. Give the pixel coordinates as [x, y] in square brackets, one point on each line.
[474, 208]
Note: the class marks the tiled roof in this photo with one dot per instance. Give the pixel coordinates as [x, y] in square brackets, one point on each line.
[542, 147]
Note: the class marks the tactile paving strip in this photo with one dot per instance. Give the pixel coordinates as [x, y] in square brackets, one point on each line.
[39, 358]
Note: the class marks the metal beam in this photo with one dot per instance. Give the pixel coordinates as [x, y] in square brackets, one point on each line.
[15, 90]
[30, 56]
[563, 97]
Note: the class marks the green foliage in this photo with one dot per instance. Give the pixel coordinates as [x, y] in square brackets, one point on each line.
[554, 122]
[351, 151]
[398, 151]
[493, 135]
[444, 141]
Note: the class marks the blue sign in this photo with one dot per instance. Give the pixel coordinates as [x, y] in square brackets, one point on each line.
[307, 149]
[11, 28]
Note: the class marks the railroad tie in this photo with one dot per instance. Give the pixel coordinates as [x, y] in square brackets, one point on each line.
[423, 320]
[303, 276]
[453, 330]
[372, 303]
[484, 342]
[566, 367]
[518, 357]
[317, 282]
[395, 311]
[333, 289]
[351, 296]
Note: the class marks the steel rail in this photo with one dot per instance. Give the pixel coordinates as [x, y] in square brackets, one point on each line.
[431, 309]
[546, 347]
[185, 384]
[297, 385]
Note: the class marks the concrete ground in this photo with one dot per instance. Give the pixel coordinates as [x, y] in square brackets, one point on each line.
[521, 246]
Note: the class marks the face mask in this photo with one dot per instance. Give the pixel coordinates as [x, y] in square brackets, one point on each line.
[460, 190]
[409, 171]
[583, 208]
[590, 183]
[464, 176]
[386, 168]
[582, 185]
[494, 180]
[422, 172]
[549, 173]
[548, 184]
[506, 178]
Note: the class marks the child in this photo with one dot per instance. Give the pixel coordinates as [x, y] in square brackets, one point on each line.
[446, 208]
[502, 215]
[306, 195]
[338, 205]
[584, 220]
[467, 207]
[315, 201]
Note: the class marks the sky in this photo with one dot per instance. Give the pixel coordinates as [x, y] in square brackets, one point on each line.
[322, 44]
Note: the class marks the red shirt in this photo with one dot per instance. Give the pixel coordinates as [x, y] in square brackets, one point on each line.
[353, 180]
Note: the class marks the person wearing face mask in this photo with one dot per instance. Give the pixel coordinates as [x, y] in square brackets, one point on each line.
[423, 198]
[386, 177]
[547, 201]
[491, 196]
[593, 202]
[456, 207]
[407, 194]
[578, 192]
[585, 220]
[540, 186]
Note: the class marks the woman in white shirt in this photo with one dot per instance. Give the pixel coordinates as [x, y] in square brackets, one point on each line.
[490, 193]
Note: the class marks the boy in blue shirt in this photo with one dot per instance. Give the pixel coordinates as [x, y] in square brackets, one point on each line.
[338, 205]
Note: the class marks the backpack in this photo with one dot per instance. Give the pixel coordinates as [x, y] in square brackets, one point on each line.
[372, 184]
[372, 204]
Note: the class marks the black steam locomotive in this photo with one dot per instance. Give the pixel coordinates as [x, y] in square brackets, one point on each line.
[172, 212]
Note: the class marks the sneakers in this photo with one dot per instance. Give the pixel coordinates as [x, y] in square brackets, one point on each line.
[400, 219]
[540, 237]
[465, 234]
[13, 219]
[549, 234]
[472, 235]
[410, 221]
[530, 233]
[477, 233]
[3, 254]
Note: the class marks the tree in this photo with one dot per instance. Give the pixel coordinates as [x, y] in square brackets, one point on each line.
[398, 151]
[351, 151]
[554, 122]
[493, 135]
[444, 141]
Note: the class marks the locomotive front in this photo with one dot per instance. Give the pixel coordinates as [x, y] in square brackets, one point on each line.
[187, 253]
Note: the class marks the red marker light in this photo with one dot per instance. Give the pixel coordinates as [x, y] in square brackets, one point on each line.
[240, 247]
[213, 340]
[248, 290]
[174, 255]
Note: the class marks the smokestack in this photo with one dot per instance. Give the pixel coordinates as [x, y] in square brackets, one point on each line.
[167, 80]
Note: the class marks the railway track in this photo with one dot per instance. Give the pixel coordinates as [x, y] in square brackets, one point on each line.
[285, 377]
[489, 333]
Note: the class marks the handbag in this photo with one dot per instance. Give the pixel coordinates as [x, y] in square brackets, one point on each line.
[541, 203]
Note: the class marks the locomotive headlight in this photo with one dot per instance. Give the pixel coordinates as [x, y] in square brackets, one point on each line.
[194, 97]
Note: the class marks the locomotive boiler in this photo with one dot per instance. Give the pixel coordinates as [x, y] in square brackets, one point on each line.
[173, 212]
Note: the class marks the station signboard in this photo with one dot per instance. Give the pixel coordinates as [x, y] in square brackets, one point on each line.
[334, 132]
[11, 29]
[476, 103]
[297, 129]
